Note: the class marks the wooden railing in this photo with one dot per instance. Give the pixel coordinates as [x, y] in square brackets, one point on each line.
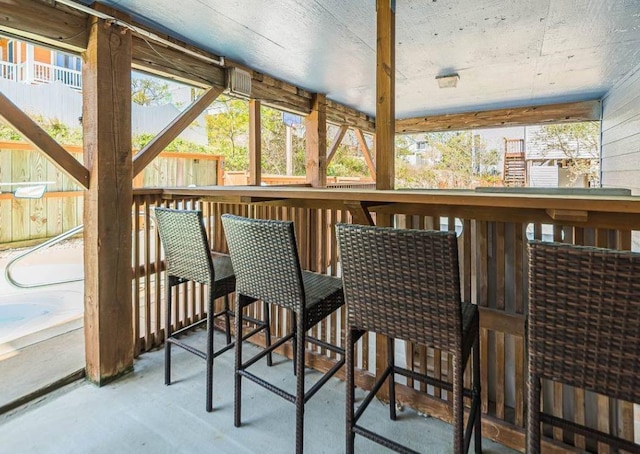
[494, 272]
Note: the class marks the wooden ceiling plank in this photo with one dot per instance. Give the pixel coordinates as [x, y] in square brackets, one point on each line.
[168, 134]
[516, 116]
[39, 138]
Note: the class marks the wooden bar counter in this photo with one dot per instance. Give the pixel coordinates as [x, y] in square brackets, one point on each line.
[493, 227]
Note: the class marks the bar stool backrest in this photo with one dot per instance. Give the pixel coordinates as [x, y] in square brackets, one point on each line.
[264, 255]
[403, 283]
[185, 243]
[584, 317]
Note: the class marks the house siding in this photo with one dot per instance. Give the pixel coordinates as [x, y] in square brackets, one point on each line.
[621, 135]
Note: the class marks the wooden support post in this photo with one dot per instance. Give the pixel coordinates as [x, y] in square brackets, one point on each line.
[385, 94]
[108, 320]
[316, 130]
[385, 133]
[255, 143]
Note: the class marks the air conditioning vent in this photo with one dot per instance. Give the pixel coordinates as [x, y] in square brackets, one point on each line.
[239, 82]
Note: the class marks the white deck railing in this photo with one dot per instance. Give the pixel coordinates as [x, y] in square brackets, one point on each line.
[40, 73]
[8, 71]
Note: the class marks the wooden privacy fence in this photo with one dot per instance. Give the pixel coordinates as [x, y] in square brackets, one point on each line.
[24, 220]
[494, 269]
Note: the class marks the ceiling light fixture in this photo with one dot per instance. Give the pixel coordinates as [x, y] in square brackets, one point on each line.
[448, 80]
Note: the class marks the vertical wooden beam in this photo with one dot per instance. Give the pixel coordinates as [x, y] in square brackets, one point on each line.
[106, 114]
[255, 143]
[316, 130]
[385, 94]
[385, 132]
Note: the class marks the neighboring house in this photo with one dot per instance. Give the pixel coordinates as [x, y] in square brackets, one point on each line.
[24, 62]
[549, 167]
[529, 161]
[49, 84]
[421, 152]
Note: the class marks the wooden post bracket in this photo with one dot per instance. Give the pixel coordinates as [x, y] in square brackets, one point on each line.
[40, 139]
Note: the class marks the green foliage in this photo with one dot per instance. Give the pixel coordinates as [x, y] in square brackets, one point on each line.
[177, 145]
[457, 160]
[228, 131]
[61, 132]
[8, 133]
[580, 145]
[149, 91]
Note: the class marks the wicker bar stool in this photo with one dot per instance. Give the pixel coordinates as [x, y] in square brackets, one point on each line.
[265, 258]
[583, 330]
[405, 285]
[189, 258]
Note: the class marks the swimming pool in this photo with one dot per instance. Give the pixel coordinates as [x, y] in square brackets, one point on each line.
[29, 317]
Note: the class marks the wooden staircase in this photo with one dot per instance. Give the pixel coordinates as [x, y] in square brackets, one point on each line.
[515, 169]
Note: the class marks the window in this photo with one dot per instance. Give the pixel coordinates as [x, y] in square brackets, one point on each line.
[10, 51]
[67, 61]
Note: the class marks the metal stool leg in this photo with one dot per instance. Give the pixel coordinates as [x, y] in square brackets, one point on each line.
[209, 355]
[167, 333]
[227, 321]
[267, 320]
[350, 364]
[300, 386]
[477, 429]
[391, 362]
[238, 364]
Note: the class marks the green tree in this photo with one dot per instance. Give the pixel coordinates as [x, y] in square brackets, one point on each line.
[149, 91]
[228, 131]
[349, 159]
[456, 160]
[578, 142]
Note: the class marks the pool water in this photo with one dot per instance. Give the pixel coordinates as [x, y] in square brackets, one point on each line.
[13, 313]
[29, 317]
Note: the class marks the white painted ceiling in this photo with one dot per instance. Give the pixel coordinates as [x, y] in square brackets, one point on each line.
[507, 52]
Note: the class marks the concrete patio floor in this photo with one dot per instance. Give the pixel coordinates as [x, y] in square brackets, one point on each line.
[139, 414]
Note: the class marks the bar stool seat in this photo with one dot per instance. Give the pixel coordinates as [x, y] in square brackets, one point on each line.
[265, 258]
[405, 284]
[189, 259]
[583, 330]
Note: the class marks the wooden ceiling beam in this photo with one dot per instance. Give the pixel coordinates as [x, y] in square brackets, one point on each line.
[516, 116]
[52, 25]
